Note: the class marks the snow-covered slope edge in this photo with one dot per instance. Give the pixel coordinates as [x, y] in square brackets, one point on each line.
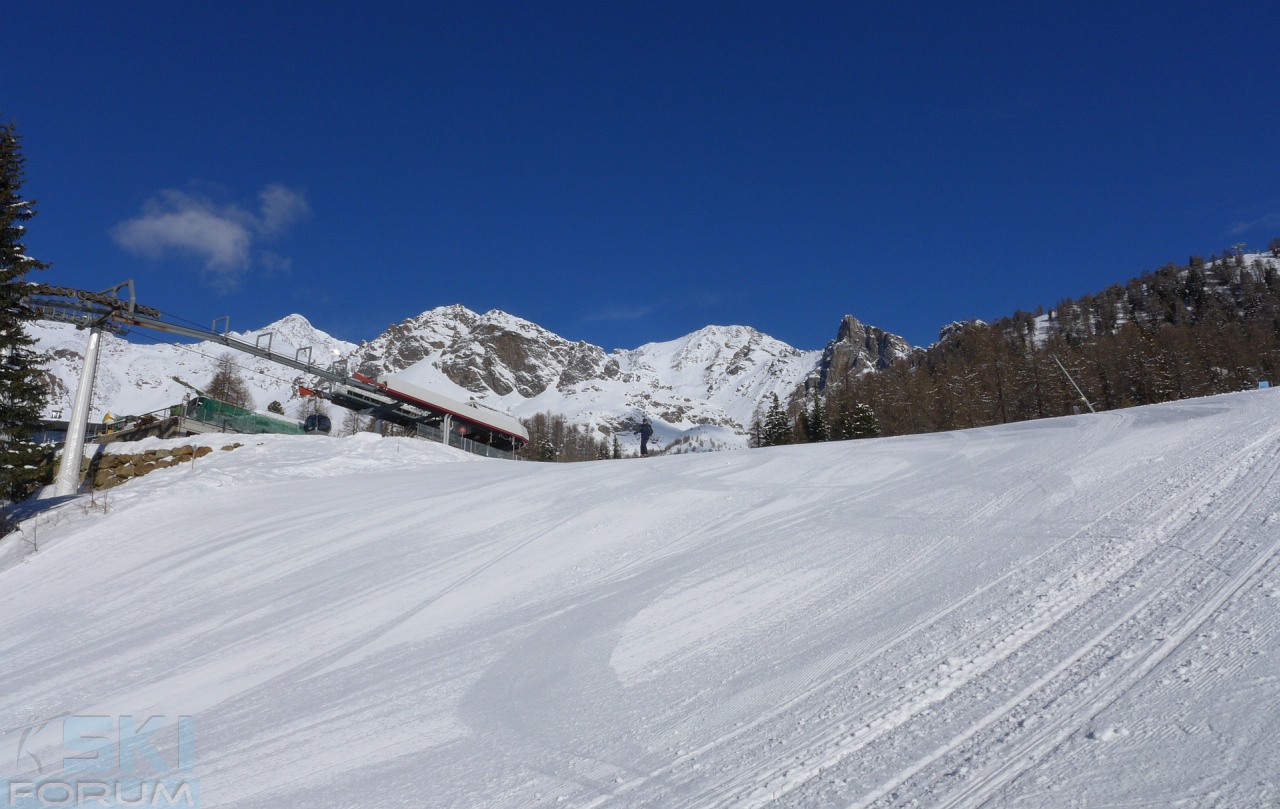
[1066, 612]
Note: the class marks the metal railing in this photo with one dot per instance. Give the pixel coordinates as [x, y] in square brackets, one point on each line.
[431, 433]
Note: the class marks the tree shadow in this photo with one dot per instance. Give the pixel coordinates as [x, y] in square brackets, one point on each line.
[14, 514]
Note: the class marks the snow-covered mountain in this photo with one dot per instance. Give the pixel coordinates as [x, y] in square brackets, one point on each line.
[707, 383]
[704, 388]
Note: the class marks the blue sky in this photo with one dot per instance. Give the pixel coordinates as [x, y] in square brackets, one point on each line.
[627, 172]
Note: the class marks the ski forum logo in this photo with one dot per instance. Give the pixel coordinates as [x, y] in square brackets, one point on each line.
[101, 761]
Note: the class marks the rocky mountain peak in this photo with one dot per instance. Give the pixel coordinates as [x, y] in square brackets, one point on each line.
[494, 353]
[858, 349]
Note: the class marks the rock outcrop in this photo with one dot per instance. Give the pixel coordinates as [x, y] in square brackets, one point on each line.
[859, 349]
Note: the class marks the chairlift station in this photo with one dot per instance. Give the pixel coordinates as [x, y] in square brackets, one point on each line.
[467, 425]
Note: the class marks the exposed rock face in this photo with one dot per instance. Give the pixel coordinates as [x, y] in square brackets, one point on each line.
[586, 362]
[490, 353]
[413, 340]
[859, 349]
[507, 356]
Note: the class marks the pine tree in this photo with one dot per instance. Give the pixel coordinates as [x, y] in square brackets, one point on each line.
[543, 450]
[276, 407]
[777, 427]
[863, 422]
[23, 392]
[848, 418]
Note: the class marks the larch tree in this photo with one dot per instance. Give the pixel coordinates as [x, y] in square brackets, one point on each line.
[227, 385]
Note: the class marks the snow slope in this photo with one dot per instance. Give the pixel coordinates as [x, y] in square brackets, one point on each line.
[1073, 612]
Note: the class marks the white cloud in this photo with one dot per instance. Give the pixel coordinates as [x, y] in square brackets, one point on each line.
[221, 237]
[274, 263]
[1270, 221]
[281, 207]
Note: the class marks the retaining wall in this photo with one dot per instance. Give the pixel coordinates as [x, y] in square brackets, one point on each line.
[106, 470]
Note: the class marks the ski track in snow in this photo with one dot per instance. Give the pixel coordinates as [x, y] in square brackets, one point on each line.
[1074, 691]
[1072, 612]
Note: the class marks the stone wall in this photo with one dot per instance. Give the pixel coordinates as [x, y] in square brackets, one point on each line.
[106, 470]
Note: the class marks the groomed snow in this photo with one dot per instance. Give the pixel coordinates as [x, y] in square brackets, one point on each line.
[1073, 612]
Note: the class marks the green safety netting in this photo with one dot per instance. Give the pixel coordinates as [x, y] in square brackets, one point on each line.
[237, 419]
